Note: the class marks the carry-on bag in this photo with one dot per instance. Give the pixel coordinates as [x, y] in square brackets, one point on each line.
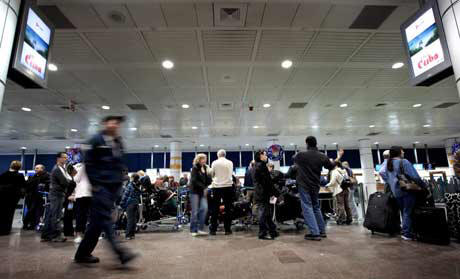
[453, 213]
[430, 225]
[382, 214]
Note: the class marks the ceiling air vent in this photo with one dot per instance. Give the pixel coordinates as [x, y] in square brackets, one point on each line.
[226, 106]
[230, 15]
[380, 105]
[117, 17]
[59, 138]
[297, 105]
[445, 105]
[137, 106]
[166, 136]
[273, 135]
[371, 17]
[57, 18]
[373, 134]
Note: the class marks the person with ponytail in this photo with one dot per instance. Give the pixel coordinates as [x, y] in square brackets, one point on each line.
[390, 171]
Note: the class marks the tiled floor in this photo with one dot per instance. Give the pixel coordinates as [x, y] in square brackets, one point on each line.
[349, 252]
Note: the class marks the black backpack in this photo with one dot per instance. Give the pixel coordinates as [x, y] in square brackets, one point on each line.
[346, 183]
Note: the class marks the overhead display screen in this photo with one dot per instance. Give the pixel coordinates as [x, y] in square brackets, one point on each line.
[35, 48]
[32, 48]
[426, 46]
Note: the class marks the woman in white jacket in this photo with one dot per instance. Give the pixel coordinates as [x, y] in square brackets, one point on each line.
[337, 177]
[82, 201]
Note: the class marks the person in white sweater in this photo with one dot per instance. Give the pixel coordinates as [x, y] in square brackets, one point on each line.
[82, 201]
[222, 190]
[338, 183]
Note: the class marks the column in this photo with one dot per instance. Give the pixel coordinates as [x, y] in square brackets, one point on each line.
[176, 160]
[450, 158]
[367, 166]
[35, 158]
[450, 14]
[9, 10]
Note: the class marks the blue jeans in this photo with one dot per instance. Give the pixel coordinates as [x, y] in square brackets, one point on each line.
[311, 210]
[199, 210]
[53, 218]
[266, 224]
[406, 205]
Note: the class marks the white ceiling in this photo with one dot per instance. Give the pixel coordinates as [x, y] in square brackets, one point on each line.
[103, 62]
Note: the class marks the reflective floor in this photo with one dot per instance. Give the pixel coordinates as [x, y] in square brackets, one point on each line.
[349, 252]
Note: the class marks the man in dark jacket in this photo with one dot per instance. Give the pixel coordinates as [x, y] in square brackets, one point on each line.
[104, 167]
[40, 182]
[12, 184]
[61, 181]
[309, 165]
[264, 191]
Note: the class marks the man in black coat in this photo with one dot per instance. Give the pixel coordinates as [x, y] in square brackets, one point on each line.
[40, 182]
[61, 183]
[12, 184]
[104, 167]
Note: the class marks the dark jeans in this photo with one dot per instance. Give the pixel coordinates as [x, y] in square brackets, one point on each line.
[8, 202]
[53, 218]
[311, 210]
[100, 221]
[343, 207]
[35, 209]
[218, 195]
[69, 216]
[82, 209]
[406, 205]
[266, 224]
[131, 212]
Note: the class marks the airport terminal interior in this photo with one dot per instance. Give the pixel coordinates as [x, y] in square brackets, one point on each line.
[265, 118]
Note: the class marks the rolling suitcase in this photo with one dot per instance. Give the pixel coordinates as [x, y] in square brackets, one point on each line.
[382, 214]
[430, 225]
[453, 213]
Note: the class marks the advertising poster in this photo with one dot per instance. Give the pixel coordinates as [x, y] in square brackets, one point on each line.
[36, 45]
[424, 44]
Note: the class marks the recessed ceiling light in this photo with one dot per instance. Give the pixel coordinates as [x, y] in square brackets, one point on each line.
[286, 64]
[397, 65]
[52, 67]
[417, 105]
[315, 126]
[247, 144]
[23, 148]
[371, 126]
[427, 125]
[26, 109]
[167, 64]
[291, 143]
[201, 145]
[344, 105]
[267, 105]
[74, 130]
[334, 143]
[416, 142]
[194, 127]
[255, 127]
[156, 145]
[376, 142]
[185, 106]
[67, 147]
[105, 107]
[133, 129]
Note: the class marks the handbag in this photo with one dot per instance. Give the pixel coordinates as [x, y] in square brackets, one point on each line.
[405, 183]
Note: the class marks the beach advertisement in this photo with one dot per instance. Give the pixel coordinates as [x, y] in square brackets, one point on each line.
[36, 45]
[425, 47]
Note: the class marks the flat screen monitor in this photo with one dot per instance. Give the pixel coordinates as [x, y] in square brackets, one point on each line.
[164, 172]
[33, 42]
[419, 166]
[240, 171]
[30, 173]
[284, 169]
[378, 167]
[426, 46]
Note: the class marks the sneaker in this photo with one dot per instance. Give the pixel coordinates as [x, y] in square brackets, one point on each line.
[265, 237]
[202, 233]
[130, 237]
[59, 239]
[228, 233]
[89, 259]
[312, 237]
[323, 235]
[127, 257]
[274, 235]
[406, 238]
[212, 233]
[78, 240]
[194, 234]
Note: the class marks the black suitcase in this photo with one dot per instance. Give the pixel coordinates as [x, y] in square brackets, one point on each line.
[382, 214]
[289, 208]
[430, 225]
